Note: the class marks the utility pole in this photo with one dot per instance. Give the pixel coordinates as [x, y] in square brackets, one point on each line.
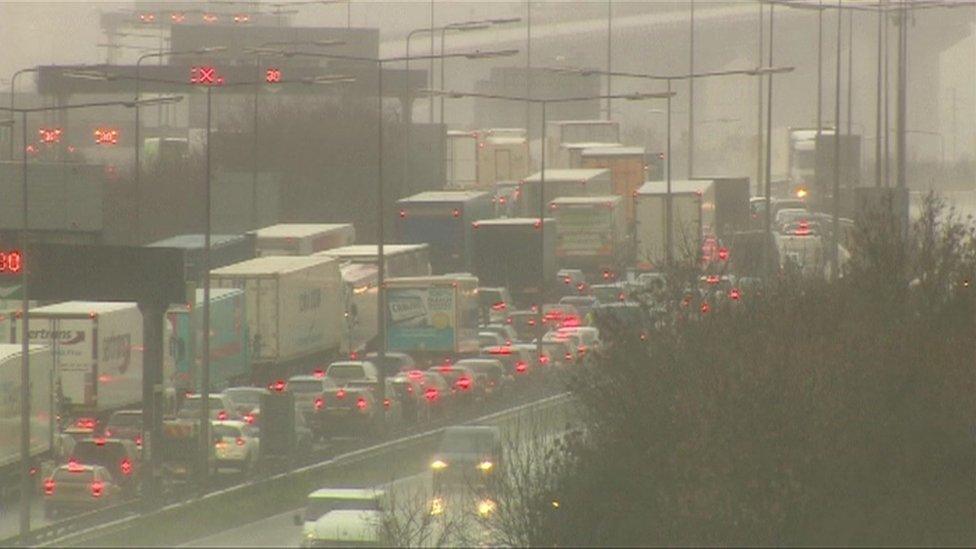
[759, 110]
[769, 157]
[835, 225]
[850, 69]
[902, 95]
[691, 94]
[878, 104]
[609, 54]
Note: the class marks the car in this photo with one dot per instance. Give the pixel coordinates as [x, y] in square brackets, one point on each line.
[555, 315]
[488, 339]
[784, 203]
[582, 303]
[120, 457]
[504, 330]
[327, 500]
[786, 216]
[467, 386]
[467, 455]
[610, 293]
[571, 282]
[494, 304]
[348, 528]
[79, 487]
[560, 350]
[513, 360]
[248, 401]
[438, 396]
[409, 391]
[236, 445]
[222, 407]
[125, 424]
[310, 394]
[344, 371]
[351, 411]
[524, 324]
[497, 379]
[393, 362]
[628, 313]
[802, 228]
[589, 338]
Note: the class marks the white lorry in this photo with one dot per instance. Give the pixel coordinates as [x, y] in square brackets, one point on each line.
[650, 228]
[302, 238]
[559, 132]
[294, 310]
[98, 351]
[432, 316]
[591, 233]
[42, 411]
[559, 183]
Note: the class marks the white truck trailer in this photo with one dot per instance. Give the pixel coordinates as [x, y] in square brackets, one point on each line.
[294, 310]
[650, 228]
[42, 414]
[302, 238]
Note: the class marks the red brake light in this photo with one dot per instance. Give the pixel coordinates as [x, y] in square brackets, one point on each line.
[431, 394]
[85, 423]
[249, 419]
[444, 369]
[319, 373]
[606, 275]
[520, 366]
[240, 441]
[723, 253]
[415, 374]
[386, 403]
[537, 224]
[500, 306]
[456, 212]
[278, 386]
[49, 487]
[705, 307]
[734, 294]
[99, 441]
[222, 415]
[463, 383]
[319, 403]
[108, 433]
[139, 441]
[96, 488]
[531, 322]
[361, 403]
[712, 279]
[125, 466]
[403, 214]
[341, 394]
[568, 356]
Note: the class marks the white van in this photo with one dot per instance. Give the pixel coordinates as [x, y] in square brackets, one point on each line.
[348, 528]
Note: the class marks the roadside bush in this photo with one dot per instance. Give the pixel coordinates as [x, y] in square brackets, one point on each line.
[821, 413]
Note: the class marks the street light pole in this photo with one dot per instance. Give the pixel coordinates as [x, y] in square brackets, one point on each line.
[877, 103]
[768, 220]
[13, 92]
[835, 223]
[609, 53]
[668, 229]
[25, 397]
[528, 70]
[691, 93]
[759, 110]
[902, 95]
[205, 371]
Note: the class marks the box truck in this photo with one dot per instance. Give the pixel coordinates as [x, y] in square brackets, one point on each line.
[571, 154]
[360, 283]
[42, 409]
[502, 158]
[302, 238]
[577, 131]
[230, 362]
[725, 205]
[432, 316]
[461, 160]
[225, 249]
[294, 310]
[650, 227]
[591, 234]
[98, 352]
[442, 220]
[561, 183]
[518, 254]
[628, 171]
[400, 259]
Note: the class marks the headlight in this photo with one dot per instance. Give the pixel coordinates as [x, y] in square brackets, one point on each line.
[437, 465]
[485, 466]
[436, 506]
[486, 507]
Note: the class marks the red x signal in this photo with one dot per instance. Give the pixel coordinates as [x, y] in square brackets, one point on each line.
[206, 76]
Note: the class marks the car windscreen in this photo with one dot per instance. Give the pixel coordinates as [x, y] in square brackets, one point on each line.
[305, 386]
[466, 442]
[317, 507]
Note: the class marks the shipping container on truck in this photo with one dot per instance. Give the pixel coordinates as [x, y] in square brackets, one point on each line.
[432, 317]
[571, 154]
[302, 238]
[294, 311]
[461, 160]
[225, 249]
[578, 131]
[502, 158]
[98, 351]
[628, 171]
[591, 234]
[360, 282]
[561, 183]
[516, 253]
[230, 362]
[650, 227]
[42, 416]
[442, 220]
[725, 205]
[400, 259]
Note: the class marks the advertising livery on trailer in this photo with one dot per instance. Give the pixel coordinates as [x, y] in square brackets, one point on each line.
[591, 234]
[432, 316]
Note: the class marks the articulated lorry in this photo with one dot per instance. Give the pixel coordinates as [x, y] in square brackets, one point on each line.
[432, 317]
[651, 227]
[442, 219]
[230, 361]
[225, 249]
[560, 183]
[294, 308]
[591, 234]
[98, 353]
[627, 171]
[302, 238]
[517, 253]
[42, 416]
